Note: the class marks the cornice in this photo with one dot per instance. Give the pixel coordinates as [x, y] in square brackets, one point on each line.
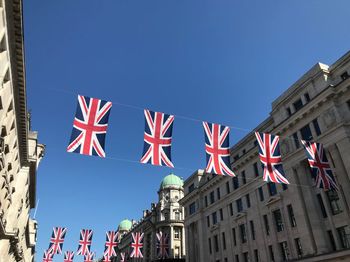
[16, 49]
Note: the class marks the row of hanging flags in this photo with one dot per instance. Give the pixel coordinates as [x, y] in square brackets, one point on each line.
[90, 128]
[111, 244]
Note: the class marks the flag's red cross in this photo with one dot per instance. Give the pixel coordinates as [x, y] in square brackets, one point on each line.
[218, 153]
[162, 244]
[85, 242]
[47, 256]
[57, 240]
[136, 245]
[111, 243]
[90, 126]
[157, 138]
[317, 159]
[68, 256]
[271, 158]
[89, 257]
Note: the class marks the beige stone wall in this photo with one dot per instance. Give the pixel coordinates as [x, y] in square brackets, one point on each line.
[325, 97]
[20, 152]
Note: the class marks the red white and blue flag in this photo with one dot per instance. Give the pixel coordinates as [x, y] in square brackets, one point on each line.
[157, 139]
[90, 127]
[89, 257]
[217, 145]
[320, 167]
[85, 242]
[47, 256]
[162, 245]
[57, 239]
[270, 157]
[110, 245]
[137, 245]
[68, 256]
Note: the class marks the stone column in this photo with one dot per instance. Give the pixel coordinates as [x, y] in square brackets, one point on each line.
[171, 242]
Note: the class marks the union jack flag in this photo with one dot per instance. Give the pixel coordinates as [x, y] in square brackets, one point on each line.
[89, 257]
[162, 245]
[217, 149]
[111, 244]
[90, 127]
[68, 256]
[57, 239]
[85, 242]
[47, 256]
[137, 245]
[157, 139]
[320, 168]
[270, 157]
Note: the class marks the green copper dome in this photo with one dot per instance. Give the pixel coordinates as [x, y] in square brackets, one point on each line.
[171, 181]
[125, 225]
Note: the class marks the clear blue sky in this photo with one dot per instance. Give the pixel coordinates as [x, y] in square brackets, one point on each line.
[222, 61]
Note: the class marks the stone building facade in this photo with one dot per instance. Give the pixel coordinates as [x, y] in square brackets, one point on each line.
[247, 219]
[20, 152]
[167, 216]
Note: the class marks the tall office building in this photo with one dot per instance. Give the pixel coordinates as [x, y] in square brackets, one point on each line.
[246, 219]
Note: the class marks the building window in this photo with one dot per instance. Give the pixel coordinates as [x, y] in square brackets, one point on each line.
[344, 75]
[298, 105]
[331, 240]
[284, 186]
[348, 103]
[210, 249]
[236, 157]
[245, 257]
[206, 201]
[227, 187]
[177, 215]
[306, 133]
[344, 238]
[235, 182]
[296, 140]
[218, 193]
[191, 188]
[192, 208]
[272, 188]
[247, 197]
[292, 220]
[256, 255]
[298, 247]
[212, 197]
[208, 221]
[223, 241]
[289, 112]
[214, 218]
[256, 143]
[243, 233]
[284, 250]
[333, 199]
[261, 194]
[307, 97]
[256, 170]
[231, 209]
[316, 127]
[322, 207]
[237, 258]
[221, 214]
[239, 205]
[278, 220]
[266, 223]
[216, 243]
[234, 236]
[177, 233]
[225, 259]
[252, 229]
[244, 179]
[272, 256]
